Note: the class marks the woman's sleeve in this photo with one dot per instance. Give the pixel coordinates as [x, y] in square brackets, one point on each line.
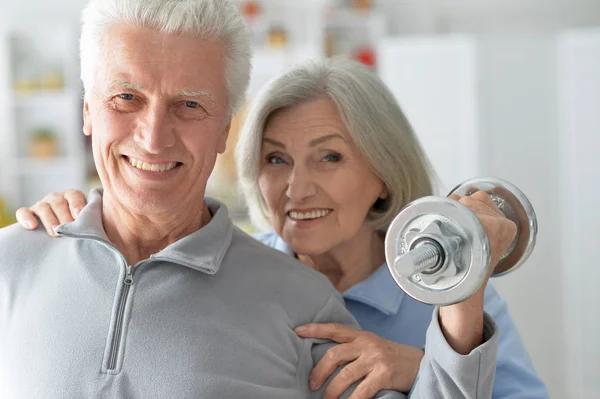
[445, 373]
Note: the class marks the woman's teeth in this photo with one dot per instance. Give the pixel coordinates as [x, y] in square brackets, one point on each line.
[152, 167]
[310, 215]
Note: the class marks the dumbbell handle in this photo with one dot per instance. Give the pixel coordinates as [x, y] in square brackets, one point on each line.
[424, 257]
[428, 256]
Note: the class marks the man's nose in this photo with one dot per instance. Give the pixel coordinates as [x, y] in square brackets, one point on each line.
[300, 184]
[154, 132]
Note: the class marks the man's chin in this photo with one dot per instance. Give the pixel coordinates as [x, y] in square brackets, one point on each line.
[146, 202]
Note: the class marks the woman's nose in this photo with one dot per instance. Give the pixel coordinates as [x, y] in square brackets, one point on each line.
[300, 185]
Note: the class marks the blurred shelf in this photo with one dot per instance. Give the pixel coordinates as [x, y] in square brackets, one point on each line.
[351, 18]
[45, 97]
[269, 55]
[40, 90]
[26, 166]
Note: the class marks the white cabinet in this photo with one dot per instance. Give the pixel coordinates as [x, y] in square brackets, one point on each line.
[435, 81]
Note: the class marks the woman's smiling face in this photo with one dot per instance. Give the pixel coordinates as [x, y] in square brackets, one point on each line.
[317, 185]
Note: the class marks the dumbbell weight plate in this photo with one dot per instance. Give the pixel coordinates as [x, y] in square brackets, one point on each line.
[472, 260]
[516, 207]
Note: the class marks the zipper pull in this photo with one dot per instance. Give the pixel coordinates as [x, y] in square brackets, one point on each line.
[129, 276]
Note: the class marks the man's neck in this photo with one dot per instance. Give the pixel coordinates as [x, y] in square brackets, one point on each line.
[139, 236]
[351, 262]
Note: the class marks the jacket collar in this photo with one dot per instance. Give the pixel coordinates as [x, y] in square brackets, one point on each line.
[202, 250]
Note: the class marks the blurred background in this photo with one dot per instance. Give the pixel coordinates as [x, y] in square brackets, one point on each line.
[509, 88]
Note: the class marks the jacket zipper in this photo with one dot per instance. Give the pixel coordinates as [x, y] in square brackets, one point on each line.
[127, 282]
[116, 338]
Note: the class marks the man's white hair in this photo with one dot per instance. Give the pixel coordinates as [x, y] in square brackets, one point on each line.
[218, 20]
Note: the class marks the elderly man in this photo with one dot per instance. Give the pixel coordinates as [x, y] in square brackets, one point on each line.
[152, 292]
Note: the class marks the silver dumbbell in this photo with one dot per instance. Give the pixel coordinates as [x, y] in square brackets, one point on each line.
[438, 251]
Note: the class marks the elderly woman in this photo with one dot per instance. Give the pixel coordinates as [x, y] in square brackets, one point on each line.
[326, 160]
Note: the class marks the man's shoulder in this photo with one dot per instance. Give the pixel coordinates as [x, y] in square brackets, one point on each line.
[263, 253]
[303, 292]
[263, 258]
[17, 244]
[15, 235]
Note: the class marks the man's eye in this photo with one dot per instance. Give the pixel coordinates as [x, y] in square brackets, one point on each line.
[126, 96]
[192, 104]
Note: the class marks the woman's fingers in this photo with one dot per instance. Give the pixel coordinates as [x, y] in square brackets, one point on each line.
[76, 201]
[333, 358]
[53, 210]
[26, 218]
[46, 214]
[350, 374]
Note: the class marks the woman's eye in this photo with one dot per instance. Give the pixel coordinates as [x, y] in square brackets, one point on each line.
[332, 158]
[275, 159]
[192, 104]
[126, 96]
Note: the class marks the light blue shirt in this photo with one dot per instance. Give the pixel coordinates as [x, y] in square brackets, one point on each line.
[381, 307]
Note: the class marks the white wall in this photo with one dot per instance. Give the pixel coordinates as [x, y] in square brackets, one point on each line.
[579, 63]
[478, 16]
[519, 133]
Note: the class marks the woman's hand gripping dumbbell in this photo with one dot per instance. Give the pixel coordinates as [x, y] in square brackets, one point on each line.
[438, 250]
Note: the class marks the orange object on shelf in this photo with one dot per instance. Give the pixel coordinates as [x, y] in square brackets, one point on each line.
[250, 9]
[277, 37]
[52, 81]
[43, 144]
[43, 148]
[362, 4]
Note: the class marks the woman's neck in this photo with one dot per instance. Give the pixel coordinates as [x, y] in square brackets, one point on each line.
[352, 261]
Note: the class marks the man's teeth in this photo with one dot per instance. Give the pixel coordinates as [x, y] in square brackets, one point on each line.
[310, 215]
[152, 167]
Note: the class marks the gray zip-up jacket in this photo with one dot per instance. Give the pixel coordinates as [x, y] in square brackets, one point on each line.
[210, 316]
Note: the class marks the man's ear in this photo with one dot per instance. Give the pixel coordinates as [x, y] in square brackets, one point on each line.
[87, 121]
[222, 140]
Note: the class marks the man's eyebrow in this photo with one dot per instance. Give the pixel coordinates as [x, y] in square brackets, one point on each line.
[197, 94]
[126, 85]
[183, 93]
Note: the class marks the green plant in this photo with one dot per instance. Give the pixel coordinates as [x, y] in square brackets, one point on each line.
[43, 133]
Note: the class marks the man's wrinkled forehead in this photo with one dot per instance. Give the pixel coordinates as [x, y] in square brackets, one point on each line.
[184, 67]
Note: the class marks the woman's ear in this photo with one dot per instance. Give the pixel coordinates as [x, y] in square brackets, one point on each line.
[384, 193]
